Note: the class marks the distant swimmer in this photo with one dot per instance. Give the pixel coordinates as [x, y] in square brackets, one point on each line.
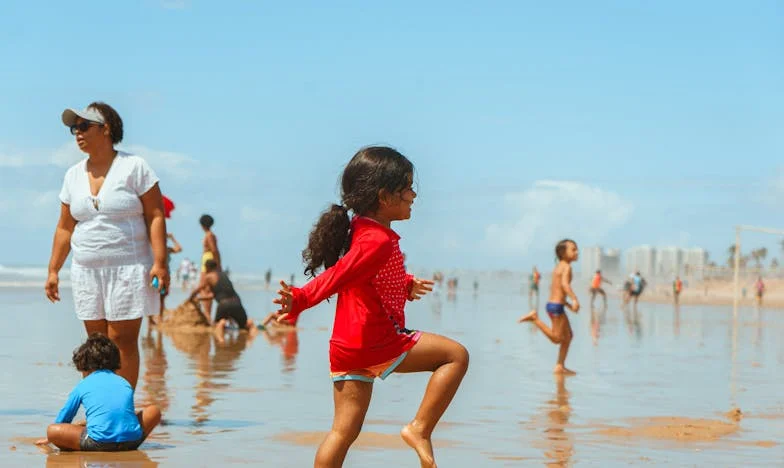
[596, 287]
[759, 287]
[533, 288]
[216, 284]
[636, 286]
[210, 252]
[267, 278]
[561, 288]
[677, 287]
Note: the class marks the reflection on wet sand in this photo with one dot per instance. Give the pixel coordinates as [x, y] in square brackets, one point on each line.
[288, 340]
[598, 318]
[560, 443]
[213, 372]
[632, 316]
[676, 320]
[132, 459]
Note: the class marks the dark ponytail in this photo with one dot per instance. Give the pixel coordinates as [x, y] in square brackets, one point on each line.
[370, 170]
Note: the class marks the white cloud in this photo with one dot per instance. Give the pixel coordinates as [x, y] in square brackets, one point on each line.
[550, 210]
[177, 165]
[254, 214]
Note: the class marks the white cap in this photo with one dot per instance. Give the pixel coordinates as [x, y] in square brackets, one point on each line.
[90, 113]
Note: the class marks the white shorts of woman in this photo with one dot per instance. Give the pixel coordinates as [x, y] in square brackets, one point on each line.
[113, 293]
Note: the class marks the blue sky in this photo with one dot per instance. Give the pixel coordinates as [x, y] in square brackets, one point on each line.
[614, 123]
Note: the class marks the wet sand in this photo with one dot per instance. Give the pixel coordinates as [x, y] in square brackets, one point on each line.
[661, 386]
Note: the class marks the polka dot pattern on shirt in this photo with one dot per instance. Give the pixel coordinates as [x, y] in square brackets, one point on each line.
[390, 283]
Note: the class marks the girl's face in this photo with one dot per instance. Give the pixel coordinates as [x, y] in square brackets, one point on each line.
[397, 206]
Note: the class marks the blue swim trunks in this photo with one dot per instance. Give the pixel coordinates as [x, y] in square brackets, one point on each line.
[554, 309]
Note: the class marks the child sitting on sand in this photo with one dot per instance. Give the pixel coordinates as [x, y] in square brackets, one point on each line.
[560, 289]
[112, 425]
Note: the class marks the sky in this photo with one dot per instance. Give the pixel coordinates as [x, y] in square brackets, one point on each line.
[616, 123]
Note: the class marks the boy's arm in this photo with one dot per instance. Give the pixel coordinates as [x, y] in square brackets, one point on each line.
[68, 412]
[566, 284]
[361, 262]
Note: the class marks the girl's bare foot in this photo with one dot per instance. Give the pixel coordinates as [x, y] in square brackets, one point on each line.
[562, 370]
[528, 318]
[421, 444]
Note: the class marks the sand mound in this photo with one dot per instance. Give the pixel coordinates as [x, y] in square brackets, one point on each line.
[186, 315]
[674, 428]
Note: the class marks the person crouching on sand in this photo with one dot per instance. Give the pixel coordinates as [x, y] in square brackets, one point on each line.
[112, 425]
[560, 289]
[215, 284]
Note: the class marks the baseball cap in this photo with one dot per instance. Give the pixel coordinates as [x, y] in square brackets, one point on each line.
[91, 114]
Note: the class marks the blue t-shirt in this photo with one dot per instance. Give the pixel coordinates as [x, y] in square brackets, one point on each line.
[108, 404]
[637, 283]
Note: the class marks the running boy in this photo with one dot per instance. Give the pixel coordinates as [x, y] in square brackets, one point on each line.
[112, 425]
[364, 266]
[560, 289]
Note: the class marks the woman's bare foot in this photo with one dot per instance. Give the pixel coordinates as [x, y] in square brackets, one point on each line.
[528, 318]
[562, 370]
[421, 444]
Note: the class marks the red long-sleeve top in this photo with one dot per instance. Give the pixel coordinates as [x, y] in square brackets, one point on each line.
[372, 287]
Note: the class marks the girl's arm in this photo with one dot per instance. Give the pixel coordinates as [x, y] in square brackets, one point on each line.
[363, 260]
[68, 412]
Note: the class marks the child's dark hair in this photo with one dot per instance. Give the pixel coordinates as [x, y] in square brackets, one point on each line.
[371, 169]
[206, 221]
[560, 248]
[97, 353]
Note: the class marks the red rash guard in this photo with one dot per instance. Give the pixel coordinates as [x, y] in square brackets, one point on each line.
[372, 287]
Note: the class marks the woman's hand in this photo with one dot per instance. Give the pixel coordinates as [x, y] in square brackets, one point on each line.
[52, 286]
[162, 273]
[419, 288]
[285, 300]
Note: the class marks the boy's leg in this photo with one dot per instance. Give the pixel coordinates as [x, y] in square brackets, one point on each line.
[553, 333]
[149, 417]
[564, 330]
[65, 436]
[352, 398]
[448, 361]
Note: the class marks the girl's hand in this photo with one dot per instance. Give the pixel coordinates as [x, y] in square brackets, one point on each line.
[284, 301]
[162, 272]
[52, 287]
[419, 288]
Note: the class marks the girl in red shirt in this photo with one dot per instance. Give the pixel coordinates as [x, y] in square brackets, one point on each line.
[364, 266]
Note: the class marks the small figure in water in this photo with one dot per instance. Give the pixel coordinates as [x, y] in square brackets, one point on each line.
[596, 287]
[759, 286]
[112, 425]
[533, 288]
[267, 279]
[561, 288]
[677, 287]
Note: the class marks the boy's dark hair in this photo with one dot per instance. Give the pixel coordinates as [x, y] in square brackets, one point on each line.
[371, 169]
[112, 119]
[210, 265]
[97, 353]
[206, 221]
[560, 248]
[598, 271]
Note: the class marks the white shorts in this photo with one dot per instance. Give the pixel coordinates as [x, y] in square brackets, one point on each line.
[113, 293]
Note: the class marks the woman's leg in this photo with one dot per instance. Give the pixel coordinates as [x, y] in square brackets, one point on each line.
[352, 398]
[448, 361]
[96, 326]
[65, 436]
[125, 334]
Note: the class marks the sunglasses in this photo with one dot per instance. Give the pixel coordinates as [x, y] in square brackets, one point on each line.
[83, 126]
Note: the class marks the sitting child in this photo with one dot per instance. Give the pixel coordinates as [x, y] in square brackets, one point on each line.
[112, 425]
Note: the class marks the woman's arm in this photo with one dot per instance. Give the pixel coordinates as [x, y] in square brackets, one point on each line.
[152, 205]
[61, 247]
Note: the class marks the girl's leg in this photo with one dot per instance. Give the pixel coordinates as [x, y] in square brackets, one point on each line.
[352, 398]
[149, 417]
[448, 361]
[125, 334]
[65, 436]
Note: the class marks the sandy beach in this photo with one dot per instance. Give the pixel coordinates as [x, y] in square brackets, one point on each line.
[661, 386]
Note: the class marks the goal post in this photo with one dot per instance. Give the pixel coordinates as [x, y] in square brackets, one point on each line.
[736, 268]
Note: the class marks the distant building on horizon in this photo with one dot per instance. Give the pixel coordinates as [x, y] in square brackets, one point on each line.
[641, 258]
[669, 261]
[596, 258]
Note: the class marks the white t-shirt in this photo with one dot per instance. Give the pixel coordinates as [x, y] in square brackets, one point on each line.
[110, 229]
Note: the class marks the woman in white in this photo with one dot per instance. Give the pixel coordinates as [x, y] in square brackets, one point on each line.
[112, 218]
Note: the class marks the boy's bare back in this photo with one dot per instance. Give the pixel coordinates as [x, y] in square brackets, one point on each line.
[560, 285]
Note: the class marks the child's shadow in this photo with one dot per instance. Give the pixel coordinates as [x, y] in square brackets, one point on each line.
[133, 458]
